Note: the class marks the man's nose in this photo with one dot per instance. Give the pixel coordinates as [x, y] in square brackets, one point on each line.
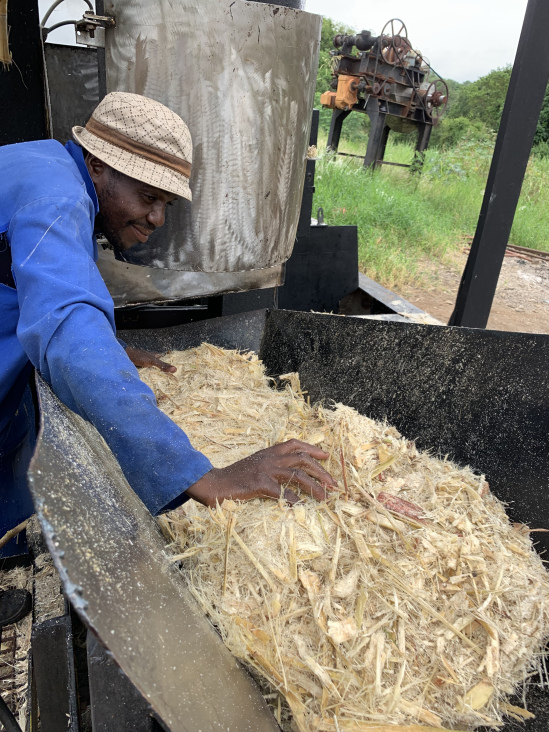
[157, 215]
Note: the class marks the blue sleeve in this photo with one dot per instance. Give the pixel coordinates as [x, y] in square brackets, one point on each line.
[66, 327]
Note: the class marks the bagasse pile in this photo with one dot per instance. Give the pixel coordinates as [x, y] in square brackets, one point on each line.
[407, 598]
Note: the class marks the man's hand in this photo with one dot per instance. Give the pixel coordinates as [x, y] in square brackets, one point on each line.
[261, 474]
[141, 359]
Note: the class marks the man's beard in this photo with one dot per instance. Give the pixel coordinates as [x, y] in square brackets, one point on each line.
[112, 237]
[102, 226]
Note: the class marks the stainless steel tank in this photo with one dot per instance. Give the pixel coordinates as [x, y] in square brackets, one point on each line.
[242, 75]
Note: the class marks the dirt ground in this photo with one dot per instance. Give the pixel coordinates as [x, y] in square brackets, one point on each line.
[522, 298]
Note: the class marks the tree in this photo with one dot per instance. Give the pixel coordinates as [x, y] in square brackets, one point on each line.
[483, 99]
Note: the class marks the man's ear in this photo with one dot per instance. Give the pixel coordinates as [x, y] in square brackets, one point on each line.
[97, 168]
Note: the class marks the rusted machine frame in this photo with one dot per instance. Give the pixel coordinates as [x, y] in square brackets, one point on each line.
[385, 78]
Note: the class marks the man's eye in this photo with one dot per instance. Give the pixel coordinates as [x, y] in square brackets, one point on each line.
[150, 199]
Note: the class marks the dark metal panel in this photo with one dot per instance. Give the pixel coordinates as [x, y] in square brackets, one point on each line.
[116, 705]
[73, 85]
[481, 397]
[109, 552]
[371, 298]
[514, 142]
[243, 331]
[164, 316]
[323, 267]
[53, 664]
[23, 115]
[322, 270]
[242, 302]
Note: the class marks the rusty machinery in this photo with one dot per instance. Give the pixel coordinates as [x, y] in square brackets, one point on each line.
[389, 81]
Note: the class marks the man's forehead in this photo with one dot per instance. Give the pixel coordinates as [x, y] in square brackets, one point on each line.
[157, 191]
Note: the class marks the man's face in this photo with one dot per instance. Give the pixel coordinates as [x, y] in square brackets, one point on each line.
[129, 211]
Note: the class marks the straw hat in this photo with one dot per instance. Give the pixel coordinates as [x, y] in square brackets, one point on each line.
[142, 139]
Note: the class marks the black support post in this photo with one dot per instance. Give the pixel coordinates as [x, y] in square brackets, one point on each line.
[423, 137]
[377, 139]
[23, 115]
[116, 704]
[101, 66]
[54, 676]
[514, 143]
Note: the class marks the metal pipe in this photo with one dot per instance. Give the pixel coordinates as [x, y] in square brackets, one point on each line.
[56, 4]
[47, 31]
[513, 146]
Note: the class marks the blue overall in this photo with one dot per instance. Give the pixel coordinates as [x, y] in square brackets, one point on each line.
[58, 317]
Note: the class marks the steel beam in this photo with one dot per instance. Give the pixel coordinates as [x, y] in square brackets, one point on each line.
[513, 145]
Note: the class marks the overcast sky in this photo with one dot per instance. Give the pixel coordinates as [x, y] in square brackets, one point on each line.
[463, 39]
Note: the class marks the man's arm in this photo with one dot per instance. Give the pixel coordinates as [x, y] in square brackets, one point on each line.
[66, 327]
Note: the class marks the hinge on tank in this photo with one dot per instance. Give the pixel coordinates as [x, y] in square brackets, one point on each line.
[90, 30]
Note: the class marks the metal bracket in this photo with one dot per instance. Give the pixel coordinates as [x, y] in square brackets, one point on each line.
[90, 31]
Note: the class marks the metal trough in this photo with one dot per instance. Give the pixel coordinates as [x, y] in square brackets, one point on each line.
[482, 397]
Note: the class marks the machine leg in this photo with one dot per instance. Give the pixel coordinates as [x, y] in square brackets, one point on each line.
[424, 135]
[336, 124]
[377, 141]
[383, 145]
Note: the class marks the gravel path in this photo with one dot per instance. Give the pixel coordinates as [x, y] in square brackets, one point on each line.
[522, 298]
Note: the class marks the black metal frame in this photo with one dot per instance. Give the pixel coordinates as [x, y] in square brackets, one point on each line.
[54, 674]
[22, 84]
[513, 146]
[75, 684]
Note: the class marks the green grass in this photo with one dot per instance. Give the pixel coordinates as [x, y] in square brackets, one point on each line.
[403, 219]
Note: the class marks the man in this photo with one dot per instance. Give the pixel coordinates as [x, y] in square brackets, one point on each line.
[133, 158]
